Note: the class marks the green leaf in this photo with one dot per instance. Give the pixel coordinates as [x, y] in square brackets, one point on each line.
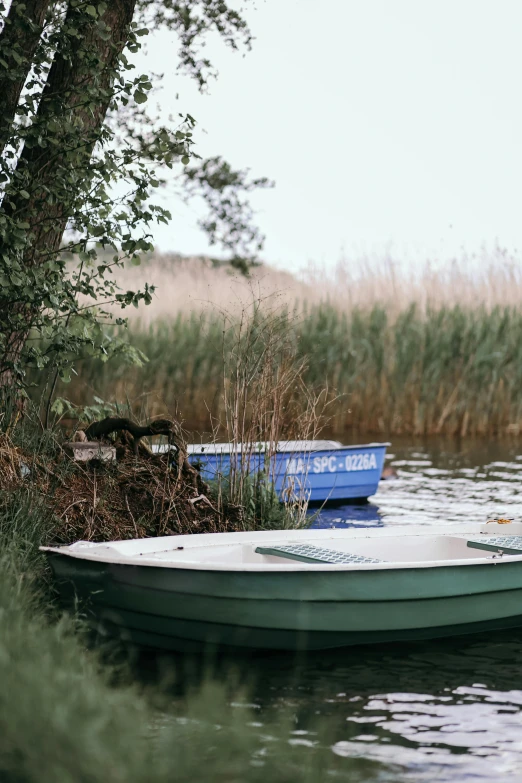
[91, 10]
[185, 160]
[140, 97]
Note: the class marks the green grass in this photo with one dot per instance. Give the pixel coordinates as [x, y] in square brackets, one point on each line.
[451, 370]
[64, 720]
[260, 507]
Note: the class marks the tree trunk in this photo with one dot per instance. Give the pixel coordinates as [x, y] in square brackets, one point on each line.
[77, 95]
[18, 42]
[71, 113]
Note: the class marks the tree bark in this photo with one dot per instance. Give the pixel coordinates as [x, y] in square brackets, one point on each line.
[74, 103]
[77, 95]
[18, 43]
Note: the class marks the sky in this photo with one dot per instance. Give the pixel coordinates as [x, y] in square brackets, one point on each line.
[388, 126]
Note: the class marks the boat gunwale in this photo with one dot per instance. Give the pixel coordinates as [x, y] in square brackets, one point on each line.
[213, 452]
[193, 565]
[200, 540]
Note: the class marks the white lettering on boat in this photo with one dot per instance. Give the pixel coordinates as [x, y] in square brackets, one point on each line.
[332, 464]
[295, 466]
[361, 462]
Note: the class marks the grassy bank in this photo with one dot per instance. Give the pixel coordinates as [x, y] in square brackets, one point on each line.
[138, 495]
[68, 715]
[448, 370]
[63, 719]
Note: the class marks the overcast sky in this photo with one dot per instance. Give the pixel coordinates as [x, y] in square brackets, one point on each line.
[384, 123]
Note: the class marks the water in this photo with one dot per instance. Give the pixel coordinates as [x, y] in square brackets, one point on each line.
[433, 711]
[440, 483]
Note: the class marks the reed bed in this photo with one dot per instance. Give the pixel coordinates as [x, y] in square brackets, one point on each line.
[451, 370]
[198, 285]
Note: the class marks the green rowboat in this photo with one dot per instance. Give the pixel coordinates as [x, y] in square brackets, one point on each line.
[303, 589]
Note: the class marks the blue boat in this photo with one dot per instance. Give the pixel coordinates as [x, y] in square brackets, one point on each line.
[317, 470]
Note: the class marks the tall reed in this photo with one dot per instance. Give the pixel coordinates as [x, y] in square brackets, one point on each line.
[196, 285]
[265, 400]
[450, 370]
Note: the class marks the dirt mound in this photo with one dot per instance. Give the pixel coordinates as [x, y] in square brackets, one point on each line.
[139, 495]
[132, 498]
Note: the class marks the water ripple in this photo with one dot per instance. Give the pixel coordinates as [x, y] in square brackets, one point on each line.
[432, 711]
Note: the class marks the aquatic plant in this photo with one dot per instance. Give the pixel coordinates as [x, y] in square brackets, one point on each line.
[451, 370]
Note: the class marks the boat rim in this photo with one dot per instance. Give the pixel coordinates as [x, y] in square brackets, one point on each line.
[106, 552]
[281, 447]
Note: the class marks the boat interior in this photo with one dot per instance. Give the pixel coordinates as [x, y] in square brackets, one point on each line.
[364, 551]
[286, 550]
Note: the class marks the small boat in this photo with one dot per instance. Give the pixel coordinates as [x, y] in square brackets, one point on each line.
[315, 470]
[300, 589]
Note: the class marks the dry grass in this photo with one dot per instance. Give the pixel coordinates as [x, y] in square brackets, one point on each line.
[195, 285]
[11, 459]
[265, 399]
[490, 279]
[422, 350]
[135, 497]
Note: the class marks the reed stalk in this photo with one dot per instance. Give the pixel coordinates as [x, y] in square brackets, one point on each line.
[262, 383]
[450, 370]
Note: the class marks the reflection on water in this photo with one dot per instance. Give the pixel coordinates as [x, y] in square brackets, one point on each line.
[347, 516]
[442, 710]
[445, 710]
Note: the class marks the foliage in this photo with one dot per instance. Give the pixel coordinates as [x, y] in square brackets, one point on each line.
[230, 220]
[81, 155]
[64, 408]
[260, 507]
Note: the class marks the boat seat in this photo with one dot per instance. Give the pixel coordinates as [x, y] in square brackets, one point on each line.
[509, 545]
[306, 553]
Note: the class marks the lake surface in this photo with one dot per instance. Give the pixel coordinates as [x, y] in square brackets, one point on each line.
[432, 711]
[441, 483]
